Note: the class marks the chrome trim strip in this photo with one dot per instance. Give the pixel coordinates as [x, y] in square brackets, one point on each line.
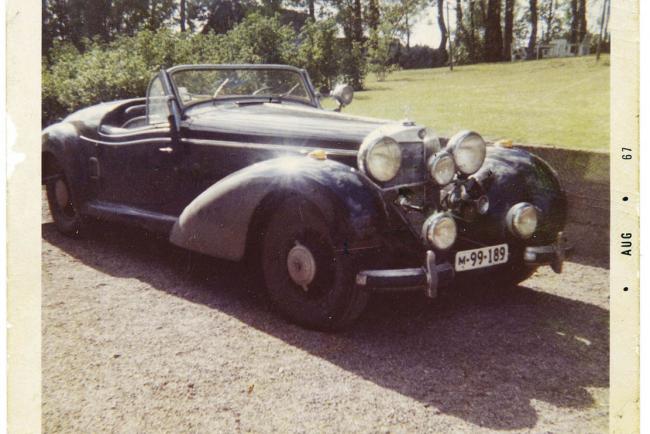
[272, 147]
[129, 142]
[137, 131]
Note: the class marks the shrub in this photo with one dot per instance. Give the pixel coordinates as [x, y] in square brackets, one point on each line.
[380, 52]
[317, 52]
[352, 64]
[123, 68]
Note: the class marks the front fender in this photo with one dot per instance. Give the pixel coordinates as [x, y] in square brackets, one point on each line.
[519, 176]
[218, 221]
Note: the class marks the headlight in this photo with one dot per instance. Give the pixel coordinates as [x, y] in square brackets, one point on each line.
[522, 220]
[468, 149]
[440, 231]
[382, 159]
[442, 168]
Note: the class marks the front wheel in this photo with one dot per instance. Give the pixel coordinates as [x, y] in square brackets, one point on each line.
[308, 279]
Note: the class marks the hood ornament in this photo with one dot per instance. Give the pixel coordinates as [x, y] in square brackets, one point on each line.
[406, 121]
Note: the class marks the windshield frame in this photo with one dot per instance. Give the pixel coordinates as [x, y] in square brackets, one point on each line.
[309, 87]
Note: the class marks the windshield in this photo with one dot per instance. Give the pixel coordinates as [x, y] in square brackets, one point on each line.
[196, 85]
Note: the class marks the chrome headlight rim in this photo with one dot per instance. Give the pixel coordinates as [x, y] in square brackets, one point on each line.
[457, 146]
[515, 216]
[364, 159]
[436, 221]
[435, 166]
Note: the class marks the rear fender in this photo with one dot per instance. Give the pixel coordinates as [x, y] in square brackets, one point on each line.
[218, 222]
[60, 150]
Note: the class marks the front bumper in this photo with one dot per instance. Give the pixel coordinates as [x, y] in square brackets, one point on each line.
[431, 277]
[552, 254]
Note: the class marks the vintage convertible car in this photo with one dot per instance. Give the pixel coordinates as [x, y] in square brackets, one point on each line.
[242, 162]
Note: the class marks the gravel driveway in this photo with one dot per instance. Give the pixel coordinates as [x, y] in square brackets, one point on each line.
[139, 336]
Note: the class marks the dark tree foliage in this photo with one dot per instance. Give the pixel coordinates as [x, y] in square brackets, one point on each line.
[372, 14]
[309, 6]
[218, 16]
[76, 21]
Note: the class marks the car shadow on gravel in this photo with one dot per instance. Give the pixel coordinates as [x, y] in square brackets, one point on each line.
[484, 359]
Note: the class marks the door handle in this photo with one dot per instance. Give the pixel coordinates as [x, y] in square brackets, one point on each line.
[166, 149]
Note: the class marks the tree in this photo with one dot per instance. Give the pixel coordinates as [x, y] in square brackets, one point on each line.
[532, 42]
[441, 55]
[182, 12]
[508, 28]
[318, 52]
[357, 20]
[77, 21]
[575, 23]
[460, 28]
[548, 12]
[373, 15]
[582, 20]
[493, 37]
[379, 51]
[471, 41]
[218, 16]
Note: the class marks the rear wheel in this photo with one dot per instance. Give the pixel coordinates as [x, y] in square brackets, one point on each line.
[66, 217]
[307, 278]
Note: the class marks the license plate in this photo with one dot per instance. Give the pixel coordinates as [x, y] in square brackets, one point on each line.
[481, 258]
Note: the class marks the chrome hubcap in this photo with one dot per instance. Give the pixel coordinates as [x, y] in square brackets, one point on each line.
[61, 194]
[301, 265]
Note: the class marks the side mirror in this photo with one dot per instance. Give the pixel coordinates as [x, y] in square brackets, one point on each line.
[343, 94]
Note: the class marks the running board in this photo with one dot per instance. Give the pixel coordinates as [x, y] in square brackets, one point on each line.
[150, 220]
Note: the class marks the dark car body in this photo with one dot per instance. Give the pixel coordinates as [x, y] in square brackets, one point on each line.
[211, 175]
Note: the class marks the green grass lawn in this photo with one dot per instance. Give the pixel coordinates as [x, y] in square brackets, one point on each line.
[561, 102]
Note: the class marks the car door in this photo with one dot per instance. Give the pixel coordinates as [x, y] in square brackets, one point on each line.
[139, 167]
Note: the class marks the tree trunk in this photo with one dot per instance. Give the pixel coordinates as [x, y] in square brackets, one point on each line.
[532, 42]
[373, 14]
[582, 20]
[472, 35]
[408, 32]
[441, 53]
[357, 28]
[550, 14]
[573, 34]
[183, 15]
[493, 38]
[460, 29]
[312, 9]
[508, 27]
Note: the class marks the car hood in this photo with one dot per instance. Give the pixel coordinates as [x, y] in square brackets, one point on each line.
[285, 123]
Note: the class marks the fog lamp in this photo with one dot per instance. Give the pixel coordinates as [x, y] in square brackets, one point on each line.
[522, 220]
[440, 230]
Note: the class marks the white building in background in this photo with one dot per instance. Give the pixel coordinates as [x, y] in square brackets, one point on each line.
[556, 48]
